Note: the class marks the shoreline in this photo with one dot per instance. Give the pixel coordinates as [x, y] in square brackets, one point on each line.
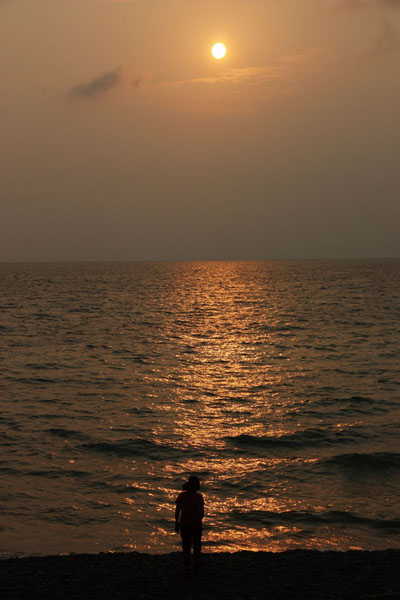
[246, 575]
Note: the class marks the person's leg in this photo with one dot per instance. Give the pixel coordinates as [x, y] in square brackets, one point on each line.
[197, 532]
[186, 543]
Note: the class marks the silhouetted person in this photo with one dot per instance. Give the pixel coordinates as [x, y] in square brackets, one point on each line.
[189, 513]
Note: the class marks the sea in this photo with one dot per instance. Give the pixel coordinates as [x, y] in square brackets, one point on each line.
[276, 382]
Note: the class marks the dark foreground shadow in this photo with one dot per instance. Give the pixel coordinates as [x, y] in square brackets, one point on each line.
[294, 575]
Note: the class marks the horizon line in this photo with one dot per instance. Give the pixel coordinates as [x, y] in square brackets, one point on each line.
[154, 260]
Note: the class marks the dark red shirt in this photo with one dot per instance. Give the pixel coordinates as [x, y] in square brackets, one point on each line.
[191, 508]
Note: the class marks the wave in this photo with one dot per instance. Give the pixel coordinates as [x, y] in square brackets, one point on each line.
[55, 473]
[139, 411]
[32, 380]
[72, 518]
[371, 462]
[115, 488]
[131, 447]
[333, 517]
[352, 401]
[9, 471]
[359, 399]
[67, 433]
[44, 316]
[279, 328]
[300, 439]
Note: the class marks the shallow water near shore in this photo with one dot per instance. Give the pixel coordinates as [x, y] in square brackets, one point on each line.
[276, 382]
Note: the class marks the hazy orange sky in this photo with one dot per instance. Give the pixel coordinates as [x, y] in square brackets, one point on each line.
[122, 138]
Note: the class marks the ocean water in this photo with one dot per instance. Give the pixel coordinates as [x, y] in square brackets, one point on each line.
[276, 382]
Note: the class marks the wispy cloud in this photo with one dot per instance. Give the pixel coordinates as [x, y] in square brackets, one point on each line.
[388, 40]
[354, 4]
[140, 79]
[395, 3]
[106, 1]
[238, 75]
[252, 76]
[238, 90]
[96, 87]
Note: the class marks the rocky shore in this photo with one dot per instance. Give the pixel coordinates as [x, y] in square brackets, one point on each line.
[298, 574]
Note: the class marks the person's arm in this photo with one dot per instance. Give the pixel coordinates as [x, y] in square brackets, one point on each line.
[201, 510]
[177, 513]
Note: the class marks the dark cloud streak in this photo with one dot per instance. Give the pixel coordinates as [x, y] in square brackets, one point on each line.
[97, 87]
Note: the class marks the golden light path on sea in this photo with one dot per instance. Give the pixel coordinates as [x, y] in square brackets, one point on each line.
[220, 370]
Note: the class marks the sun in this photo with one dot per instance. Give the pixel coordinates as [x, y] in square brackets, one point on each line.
[218, 50]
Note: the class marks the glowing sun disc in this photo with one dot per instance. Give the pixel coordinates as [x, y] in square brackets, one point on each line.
[218, 50]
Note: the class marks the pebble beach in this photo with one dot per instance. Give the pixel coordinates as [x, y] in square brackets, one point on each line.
[297, 574]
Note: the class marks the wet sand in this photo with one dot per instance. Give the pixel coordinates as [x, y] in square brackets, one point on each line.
[298, 574]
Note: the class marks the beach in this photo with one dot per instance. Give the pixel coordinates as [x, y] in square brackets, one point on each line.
[299, 574]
